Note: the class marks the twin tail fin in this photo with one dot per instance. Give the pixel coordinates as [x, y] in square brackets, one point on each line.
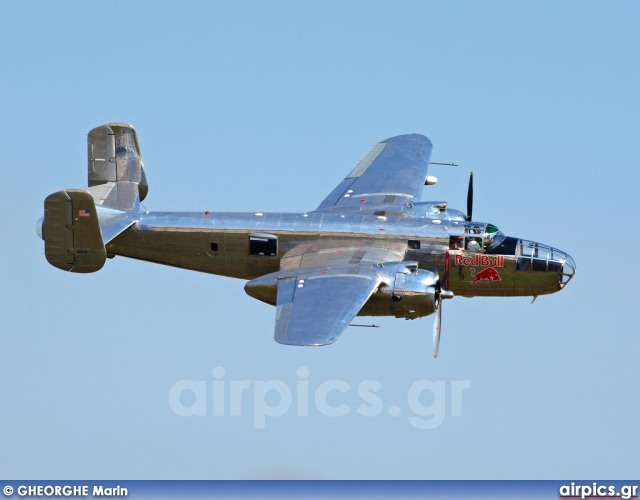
[116, 171]
[77, 224]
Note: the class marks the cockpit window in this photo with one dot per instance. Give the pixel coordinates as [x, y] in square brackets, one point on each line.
[473, 228]
[492, 237]
[528, 249]
[487, 236]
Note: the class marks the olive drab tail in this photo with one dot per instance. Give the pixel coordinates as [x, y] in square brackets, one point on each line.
[77, 224]
[71, 232]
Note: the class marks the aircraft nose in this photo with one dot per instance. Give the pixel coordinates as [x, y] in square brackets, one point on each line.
[567, 266]
[537, 257]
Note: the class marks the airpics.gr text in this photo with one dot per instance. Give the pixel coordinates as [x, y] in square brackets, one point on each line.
[331, 398]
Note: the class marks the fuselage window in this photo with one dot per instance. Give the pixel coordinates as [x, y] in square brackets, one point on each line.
[213, 248]
[456, 243]
[556, 267]
[414, 244]
[263, 246]
[539, 265]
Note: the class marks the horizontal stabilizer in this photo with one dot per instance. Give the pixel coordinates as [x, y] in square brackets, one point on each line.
[114, 222]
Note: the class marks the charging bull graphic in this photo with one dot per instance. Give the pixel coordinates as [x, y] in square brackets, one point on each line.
[489, 274]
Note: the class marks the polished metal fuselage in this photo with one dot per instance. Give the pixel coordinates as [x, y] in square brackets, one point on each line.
[369, 248]
[185, 240]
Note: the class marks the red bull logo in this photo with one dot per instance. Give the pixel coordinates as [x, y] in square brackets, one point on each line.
[489, 274]
[480, 260]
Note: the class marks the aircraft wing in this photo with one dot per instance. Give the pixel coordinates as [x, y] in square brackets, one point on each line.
[314, 308]
[394, 171]
[330, 254]
[322, 285]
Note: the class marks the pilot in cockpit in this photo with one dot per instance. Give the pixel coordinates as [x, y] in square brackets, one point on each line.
[473, 245]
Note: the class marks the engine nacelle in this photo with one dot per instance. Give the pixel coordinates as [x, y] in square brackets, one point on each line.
[410, 293]
[405, 291]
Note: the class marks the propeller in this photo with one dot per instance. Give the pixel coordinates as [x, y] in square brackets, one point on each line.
[440, 295]
[470, 198]
[436, 332]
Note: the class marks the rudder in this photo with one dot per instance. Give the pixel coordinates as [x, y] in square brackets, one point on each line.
[71, 232]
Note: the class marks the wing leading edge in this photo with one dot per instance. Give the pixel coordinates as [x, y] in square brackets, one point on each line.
[394, 171]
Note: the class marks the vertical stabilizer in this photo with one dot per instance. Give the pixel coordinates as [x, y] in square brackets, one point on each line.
[71, 232]
[116, 171]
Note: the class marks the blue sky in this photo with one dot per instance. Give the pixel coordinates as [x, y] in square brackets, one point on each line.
[266, 106]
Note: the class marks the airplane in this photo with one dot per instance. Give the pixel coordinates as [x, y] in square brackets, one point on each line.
[371, 248]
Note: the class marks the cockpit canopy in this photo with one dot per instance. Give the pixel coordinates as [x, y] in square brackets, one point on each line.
[492, 237]
[477, 237]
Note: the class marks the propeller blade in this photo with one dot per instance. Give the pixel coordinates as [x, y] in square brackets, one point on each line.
[436, 331]
[470, 198]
